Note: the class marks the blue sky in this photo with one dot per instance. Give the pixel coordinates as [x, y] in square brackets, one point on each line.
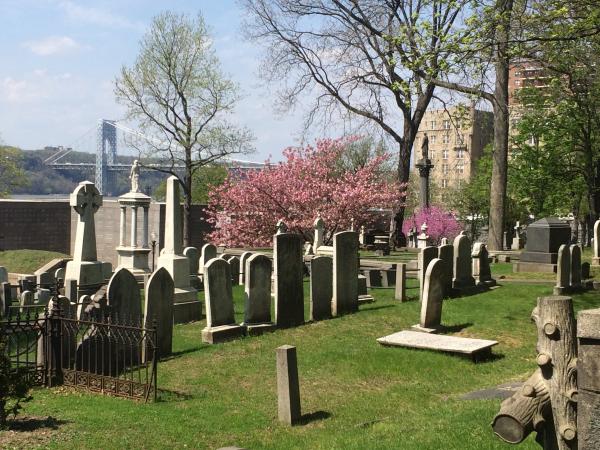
[59, 60]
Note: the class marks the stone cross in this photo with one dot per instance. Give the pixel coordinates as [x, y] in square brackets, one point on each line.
[85, 200]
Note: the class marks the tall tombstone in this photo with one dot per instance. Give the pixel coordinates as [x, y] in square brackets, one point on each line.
[563, 270]
[208, 252]
[433, 296]
[243, 260]
[463, 271]
[575, 266]
[186, 307]
[257, 311]
[5, 298]
[345, 273]
[481, 265]
[446, 254]
[319, 232]
[596, 256]
[220, 318]
[400, 291]
[234, 264]
[321, 287]
[123, 296]
[85, 267]
[288, 273]
[158, 309]
[426, 255]
[3, 275]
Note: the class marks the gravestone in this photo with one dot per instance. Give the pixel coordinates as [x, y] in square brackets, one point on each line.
[193, 256]
[423, 237]
[107, 270]
[243, 260]
[400, 291]
[158, 310]
[588, 379]
[208, 252]
[481, 265]
[463, 271]
[319, 232]
[71, 290]
[3, 275]
[220, 318]
[288, 273]
[45, 280]
[426, 255]
[563, 270]
[123, 296]
[321, 287]
[288, 386]
[257, 312]
[82, 305]
[373, 277]
[517, 240]
[544, 238]
[234, 264]
[85, 267]
[446, 254]
[596, 244]
[59, 274]
[5, 298]
[433, 296]
[585, 270]
[575, 266]
[26, 300]
[42, 296]
[186, 307]
[345, 273]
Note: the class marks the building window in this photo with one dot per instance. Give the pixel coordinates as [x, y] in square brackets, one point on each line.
[517, 82]
[446, 124]
[445, 139]
[432, 124]
[517, 74]
[431, 154]
[460, 139]
[460, 167]
[444, 183]
[445, 169]
[460, 153]
[445, 153]
[432, 139]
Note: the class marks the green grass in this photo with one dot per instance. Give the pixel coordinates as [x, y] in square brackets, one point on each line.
[27, 261]
[367, 396]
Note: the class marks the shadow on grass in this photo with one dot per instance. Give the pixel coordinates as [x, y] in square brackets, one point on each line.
[313, 417]
[490, 357]
[455, 328]
[35, 423]
[373, 308]
[165, 395]
[174, 355]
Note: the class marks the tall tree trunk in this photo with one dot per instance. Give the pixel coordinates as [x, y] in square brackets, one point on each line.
[403, 177]
[501, 120]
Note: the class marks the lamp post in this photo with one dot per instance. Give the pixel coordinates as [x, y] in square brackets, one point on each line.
[153, 244]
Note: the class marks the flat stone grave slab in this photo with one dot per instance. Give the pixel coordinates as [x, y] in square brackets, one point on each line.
[442, 343]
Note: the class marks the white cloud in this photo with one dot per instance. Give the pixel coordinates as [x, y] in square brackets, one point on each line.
[13, 90]
[97, 16]
[52, 45]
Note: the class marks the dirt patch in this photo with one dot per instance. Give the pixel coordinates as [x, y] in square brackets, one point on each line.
[26, 432]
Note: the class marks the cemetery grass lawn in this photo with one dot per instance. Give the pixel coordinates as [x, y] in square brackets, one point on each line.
[356, 394]
[27, 261]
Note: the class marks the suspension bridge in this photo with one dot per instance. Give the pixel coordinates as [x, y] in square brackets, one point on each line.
[111, 140]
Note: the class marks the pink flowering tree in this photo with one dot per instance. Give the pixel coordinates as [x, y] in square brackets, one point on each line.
[311, 180]
[440, 223]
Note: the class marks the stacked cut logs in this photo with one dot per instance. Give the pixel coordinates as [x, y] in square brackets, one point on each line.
[547, 401]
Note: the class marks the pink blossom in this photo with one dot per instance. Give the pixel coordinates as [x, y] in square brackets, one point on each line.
[440, 223]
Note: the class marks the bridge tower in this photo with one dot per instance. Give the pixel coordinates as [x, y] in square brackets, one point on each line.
[106, 152]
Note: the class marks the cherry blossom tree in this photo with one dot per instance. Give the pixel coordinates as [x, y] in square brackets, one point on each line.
[310, 181]
[440, 223]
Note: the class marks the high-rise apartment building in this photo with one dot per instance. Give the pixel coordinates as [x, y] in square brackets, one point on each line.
[457, 137]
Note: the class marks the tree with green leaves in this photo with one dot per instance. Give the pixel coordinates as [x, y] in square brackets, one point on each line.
[204, 181]
[12, 174]
[176, 92]
[14, 384]
[369, 60]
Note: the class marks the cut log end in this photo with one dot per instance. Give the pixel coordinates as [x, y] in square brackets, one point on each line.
[509, 429]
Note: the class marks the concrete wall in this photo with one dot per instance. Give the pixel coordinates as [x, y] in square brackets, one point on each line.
[35, 225]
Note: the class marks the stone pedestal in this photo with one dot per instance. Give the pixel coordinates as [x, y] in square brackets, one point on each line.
[134, 257]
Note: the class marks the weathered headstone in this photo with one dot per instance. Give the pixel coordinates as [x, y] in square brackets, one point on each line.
[59, 274]
[26, 300]
[345, 273]
[433, 296]
[588, 379]
[288, 272]
[3, 275]
[82, 305]
[446, 254]
[463, 271]
[423, 237]
[426, 255]
[159, 310]
[288, 386]
[585, 271]
[319, 232]
[321, 287]
[563, 270]
[481, 265]
[575, 266]
[596, 244]
[544, 237]
[5, 298]
[123, 296]
[186, 307]
[373, 277]
[193, 256]
[42, 296]
[71, 290]
[234, 264]
[45, 280]
[400, 291]
[208, 252]
[220, 318]
[257, 312]
[85, 268]
[243, 260]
